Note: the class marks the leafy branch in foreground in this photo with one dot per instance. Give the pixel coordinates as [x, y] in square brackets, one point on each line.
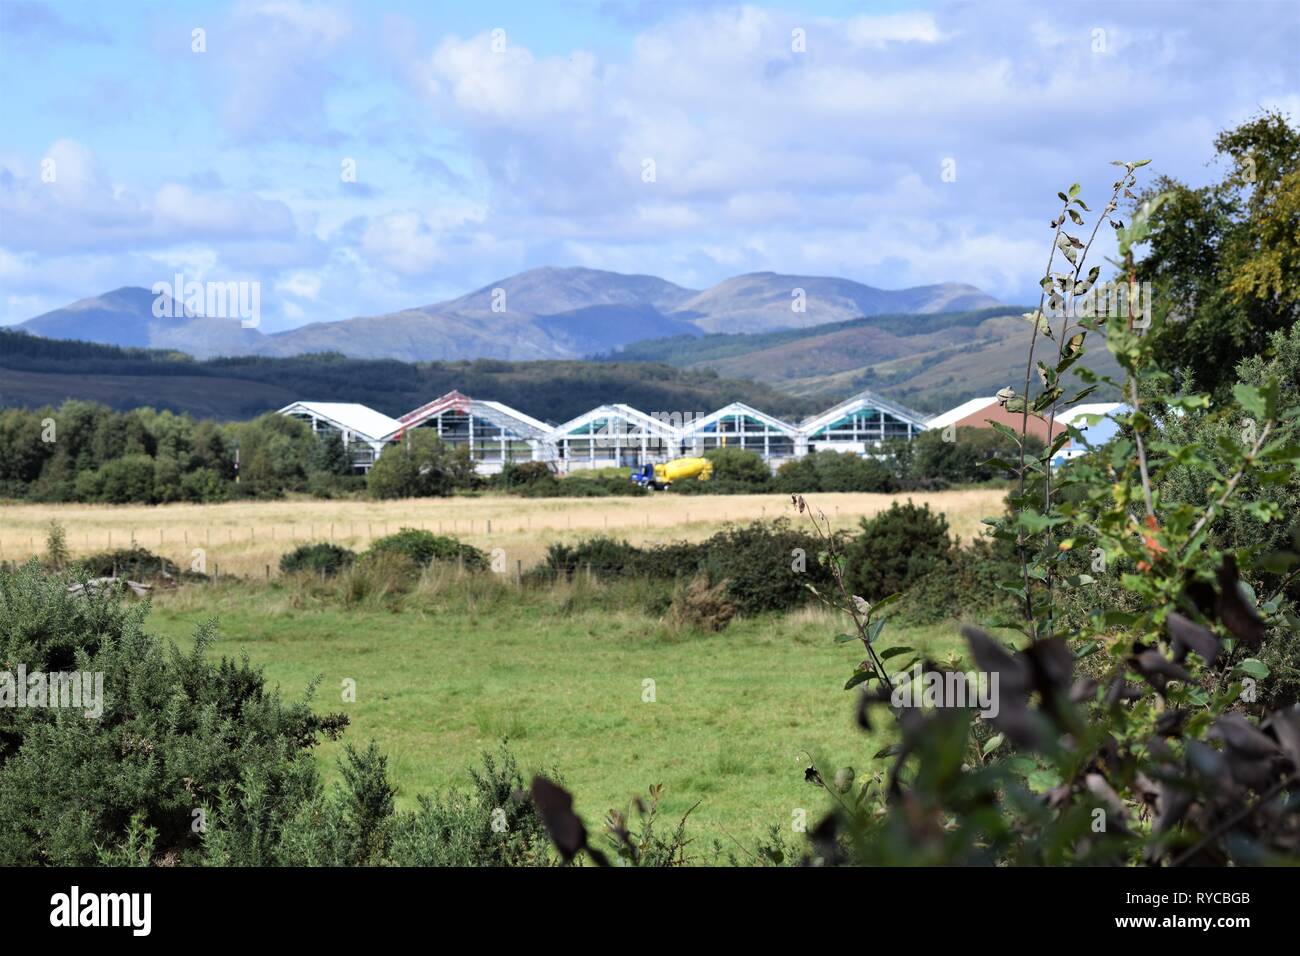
[1128, 736]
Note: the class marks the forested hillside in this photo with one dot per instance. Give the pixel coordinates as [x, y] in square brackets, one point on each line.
[36, 371]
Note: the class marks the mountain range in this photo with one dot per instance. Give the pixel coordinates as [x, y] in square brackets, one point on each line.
[545, 313]
[930, 362]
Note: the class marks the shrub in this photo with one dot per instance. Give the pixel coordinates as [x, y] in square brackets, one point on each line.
[767, 565]
[495, 823]
[580, 486]
[181, 732]
[700, 606]
[603, 556]
[321, 558]
[425, 547]
[740, 466]
[134, 774]
[963, 587]
[204, 485]
[56, 547]
[135, 562]
[515, 474]
[896, 548]
[831, 471]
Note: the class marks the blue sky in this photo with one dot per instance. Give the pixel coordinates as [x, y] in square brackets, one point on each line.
[479, 153]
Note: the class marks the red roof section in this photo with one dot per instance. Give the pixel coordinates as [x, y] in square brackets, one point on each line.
[452, 401]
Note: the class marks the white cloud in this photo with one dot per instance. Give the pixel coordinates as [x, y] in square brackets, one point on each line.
[826, 161]
[301, 284]
[402, 242]
[275, 66]
[877, 31]
[509, 83]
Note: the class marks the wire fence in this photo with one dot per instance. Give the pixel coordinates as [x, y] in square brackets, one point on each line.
[13, 546]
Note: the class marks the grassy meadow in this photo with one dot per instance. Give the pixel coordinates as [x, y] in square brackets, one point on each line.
[449, 669]
[462, 662]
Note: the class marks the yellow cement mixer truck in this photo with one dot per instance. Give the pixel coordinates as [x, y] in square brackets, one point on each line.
[662, 475]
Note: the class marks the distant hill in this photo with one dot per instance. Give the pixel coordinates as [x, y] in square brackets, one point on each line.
[126, 317]
[929, 362]
[547, 313]
[36, 371]
[763, 301]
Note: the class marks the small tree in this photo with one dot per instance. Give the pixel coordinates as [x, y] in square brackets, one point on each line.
[56, 547]
[329, 456]
[420, 466]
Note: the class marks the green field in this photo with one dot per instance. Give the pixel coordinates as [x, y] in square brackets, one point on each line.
[448, 671]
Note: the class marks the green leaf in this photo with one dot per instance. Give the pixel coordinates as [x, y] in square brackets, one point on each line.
[885, 602]
[858, 677]
[1005, 431]
[1033, 522]
[894, 652]
[1251, 400]
[1252, 667]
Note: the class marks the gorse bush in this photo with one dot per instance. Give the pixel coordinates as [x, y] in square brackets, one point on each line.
[176, 733]
[600, 555]
[579, 486]
[964, 586]
[767, 566]
[895, 549]
[56, 547]
[320, 558]
[194, 761]
[514, 474]
[424, 547]
[494, 823]
[137, 563]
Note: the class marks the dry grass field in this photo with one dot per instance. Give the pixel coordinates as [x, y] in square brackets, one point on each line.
[247, 538]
